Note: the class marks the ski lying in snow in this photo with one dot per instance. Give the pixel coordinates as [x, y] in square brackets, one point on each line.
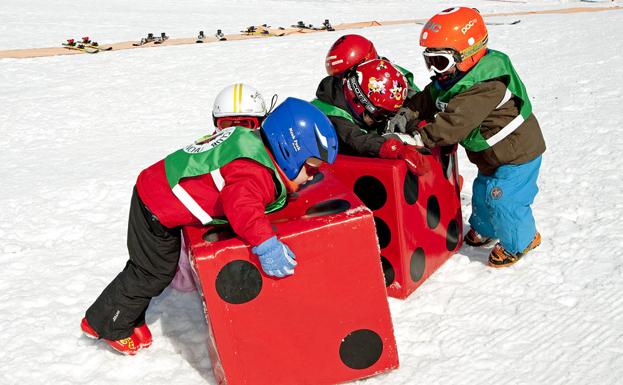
[486, 22]
[325, 26]
[503, 23]
[263, 30]
[152, 39]
[72, 45]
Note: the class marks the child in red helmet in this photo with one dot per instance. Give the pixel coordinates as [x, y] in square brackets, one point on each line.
[360, 102]
[351, 50]
[477, 99]
[237, 175]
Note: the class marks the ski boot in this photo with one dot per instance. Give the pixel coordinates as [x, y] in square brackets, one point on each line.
[219, 35]
[161, 39]
[474, 239]
[200, 38]
[140, 338]
[327, 25]
[502, 258]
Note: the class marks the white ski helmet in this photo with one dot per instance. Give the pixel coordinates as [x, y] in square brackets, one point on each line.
[239, 100]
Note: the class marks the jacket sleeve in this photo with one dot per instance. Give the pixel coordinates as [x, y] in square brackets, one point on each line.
[357, 140]
[422, 105]
[249, 188]
[463, 114]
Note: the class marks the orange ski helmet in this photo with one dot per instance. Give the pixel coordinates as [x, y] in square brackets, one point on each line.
[461, 29]
[348, 51]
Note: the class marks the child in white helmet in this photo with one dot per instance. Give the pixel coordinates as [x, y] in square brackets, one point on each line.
[240, 105]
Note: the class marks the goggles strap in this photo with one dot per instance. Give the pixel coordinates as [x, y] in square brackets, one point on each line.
[361, 96]
[469, 51]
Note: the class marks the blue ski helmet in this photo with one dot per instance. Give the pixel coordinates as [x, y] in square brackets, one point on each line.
[297, 130]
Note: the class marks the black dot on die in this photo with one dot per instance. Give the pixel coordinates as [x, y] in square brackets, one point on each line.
[332, 206]
[371, 192]
[452, 237]
[238, 282]
[388, 271]
[411, 188]
[382, 232]
[433, 213]
[218, 233]
[315, 179]
[417, 264]
[445, 165]
[361, 349]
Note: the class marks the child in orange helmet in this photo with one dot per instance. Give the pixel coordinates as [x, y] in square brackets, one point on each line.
[477, 99]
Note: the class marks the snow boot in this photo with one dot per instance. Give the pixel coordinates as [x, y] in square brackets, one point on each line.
[143, 334]
[502, 258]
[474, 239]
[129, 346]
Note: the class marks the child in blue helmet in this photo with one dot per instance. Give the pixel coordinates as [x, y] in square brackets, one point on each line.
[238, 175]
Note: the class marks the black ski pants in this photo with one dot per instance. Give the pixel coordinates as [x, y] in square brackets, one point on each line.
[154, 253]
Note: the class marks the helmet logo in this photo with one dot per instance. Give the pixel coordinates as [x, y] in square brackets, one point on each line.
[295, 142]
[434, 27]
[397, 90]
[468, 26]
[375, 86]
[381, 66]
[208, 142]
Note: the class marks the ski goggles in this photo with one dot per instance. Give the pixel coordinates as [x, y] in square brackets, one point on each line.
[440, 60]
[251, 122]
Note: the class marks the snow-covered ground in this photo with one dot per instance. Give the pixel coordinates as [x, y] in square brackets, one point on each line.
[76, 130]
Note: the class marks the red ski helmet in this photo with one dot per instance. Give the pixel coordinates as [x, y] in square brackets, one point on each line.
[347, 51]
[377, 88]
[459, 29]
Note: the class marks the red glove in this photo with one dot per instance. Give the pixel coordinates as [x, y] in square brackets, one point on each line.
[416, 161]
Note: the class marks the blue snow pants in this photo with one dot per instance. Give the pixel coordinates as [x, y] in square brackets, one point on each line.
[501, 204]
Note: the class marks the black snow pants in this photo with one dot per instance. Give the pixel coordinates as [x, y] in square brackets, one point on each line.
[154, 253]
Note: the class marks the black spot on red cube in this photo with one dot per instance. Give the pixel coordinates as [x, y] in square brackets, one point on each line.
[361, 349]
[411, 188]
[417, 264]
[382, 232]
[452, 237]
[332, 206]
[219, 233]
[238, 282]
[433, 212]
[388, 271]
[371, 192]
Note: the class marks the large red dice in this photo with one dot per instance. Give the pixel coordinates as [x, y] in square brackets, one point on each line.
[328, 323]
[418, 219]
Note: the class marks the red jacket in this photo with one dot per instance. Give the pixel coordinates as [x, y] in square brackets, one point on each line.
[248, 189]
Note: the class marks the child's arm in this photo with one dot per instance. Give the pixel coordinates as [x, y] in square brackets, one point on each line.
[249, 188]
[463, 113]
[361, 142]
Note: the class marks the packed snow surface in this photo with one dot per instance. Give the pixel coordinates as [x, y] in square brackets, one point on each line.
[76, 130]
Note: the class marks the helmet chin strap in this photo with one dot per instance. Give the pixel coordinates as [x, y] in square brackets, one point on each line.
[445, 81]
[290, 185]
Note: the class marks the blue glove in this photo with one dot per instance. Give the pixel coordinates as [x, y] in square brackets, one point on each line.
[276, 258]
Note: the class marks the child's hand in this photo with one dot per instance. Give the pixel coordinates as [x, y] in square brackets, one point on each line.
[417, 163]
[276, 257]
